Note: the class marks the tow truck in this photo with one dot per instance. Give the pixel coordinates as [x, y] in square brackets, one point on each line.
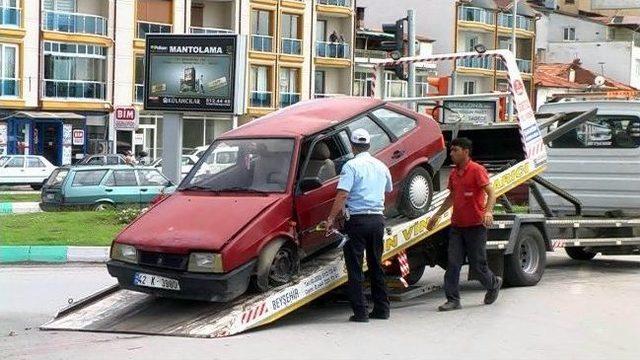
[516, 247]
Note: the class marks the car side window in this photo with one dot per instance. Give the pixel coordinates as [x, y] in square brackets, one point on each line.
[113, 160]
[110, 180]
[398, 124]
[606, 131]
[152, 178]
[16, 162]
[88, 178]
[379, 138]
[325, 159]
[96, 160]
[125, 178]
[34, 162]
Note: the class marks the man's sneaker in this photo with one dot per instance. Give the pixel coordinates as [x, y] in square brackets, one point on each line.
[492, 295]
[378, 315]
[450, 305]
[360, 318]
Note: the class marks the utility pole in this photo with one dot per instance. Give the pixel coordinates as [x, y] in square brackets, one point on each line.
[513, 49]
[411, 38]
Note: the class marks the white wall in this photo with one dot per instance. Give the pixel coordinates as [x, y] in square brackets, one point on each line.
[484, 38]
[337, 81]
[31, 78]
[585, 30]
[615, 55]
[217, 14]
[93, 7]
[124, 60]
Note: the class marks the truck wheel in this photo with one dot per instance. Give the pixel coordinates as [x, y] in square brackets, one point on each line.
[415, 275]
[416, 194]
[579, 253]
[525, 266]
[277, 264]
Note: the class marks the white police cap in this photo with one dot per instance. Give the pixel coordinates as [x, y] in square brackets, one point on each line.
[360, 136]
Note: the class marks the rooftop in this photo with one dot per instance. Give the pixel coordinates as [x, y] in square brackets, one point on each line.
[557, 75]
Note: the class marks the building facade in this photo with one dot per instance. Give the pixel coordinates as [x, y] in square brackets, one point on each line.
[67, 63]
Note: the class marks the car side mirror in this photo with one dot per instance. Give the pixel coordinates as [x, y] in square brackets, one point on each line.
[310, 183]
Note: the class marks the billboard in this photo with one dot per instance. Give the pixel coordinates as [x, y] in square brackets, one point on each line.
[192, 73]
[477, 111]
[614, 4]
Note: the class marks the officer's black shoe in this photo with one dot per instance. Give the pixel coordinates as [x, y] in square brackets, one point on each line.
[378, 315]
[359, 318]
[450, 305]
[492, 295]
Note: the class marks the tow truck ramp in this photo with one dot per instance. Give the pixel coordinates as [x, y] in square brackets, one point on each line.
[119, 310]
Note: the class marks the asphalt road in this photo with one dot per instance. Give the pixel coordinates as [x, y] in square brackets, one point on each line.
[580, 310]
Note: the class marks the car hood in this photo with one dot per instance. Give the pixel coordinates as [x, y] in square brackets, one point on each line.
[188, 221]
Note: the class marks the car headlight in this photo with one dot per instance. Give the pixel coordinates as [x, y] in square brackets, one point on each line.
[126, 253]
[205, 262]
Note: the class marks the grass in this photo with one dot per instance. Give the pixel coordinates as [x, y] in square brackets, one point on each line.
[60, 228]
[19, 198]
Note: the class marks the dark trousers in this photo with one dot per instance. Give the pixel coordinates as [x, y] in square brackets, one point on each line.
[472, 242]
[366, 232]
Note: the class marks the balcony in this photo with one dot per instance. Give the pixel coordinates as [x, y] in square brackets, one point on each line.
[342, 3]
[370, 54]
[260, 99]
[287, 99]
[524, 66]
[332, 50]
[138, 93]
[523, 23]
[75, 89]
[144, 28]
[262, 43]
[325, 96]
[208, 30]
[476, 63]
[10, 16]
[74, 23]
[474, 14]
[291, 46]
[9, 87]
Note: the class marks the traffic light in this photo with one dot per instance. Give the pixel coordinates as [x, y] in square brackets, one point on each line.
[396, 46]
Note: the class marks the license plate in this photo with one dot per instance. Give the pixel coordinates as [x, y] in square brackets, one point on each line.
[50, 196]
[155, 281]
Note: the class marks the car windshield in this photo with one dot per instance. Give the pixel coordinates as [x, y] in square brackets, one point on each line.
[257, 165]
[57, 177]
[3, 160]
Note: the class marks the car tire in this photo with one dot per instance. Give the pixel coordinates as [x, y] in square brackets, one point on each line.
[277, 264]
[103, 206]
[525, 266]
[416, 195]
[415, 274]
[579, 253]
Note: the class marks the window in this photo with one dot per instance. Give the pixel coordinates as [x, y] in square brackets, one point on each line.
[138, 81]
[471, 43]
[226, 157]
[319, 87]
[321, 30]
[398, 124]
[16, 162]
[260, 86]
[291, 43]
[362, 83]
[637, 67]
[74, 71]
[379, 138]
[88, 178]
[152, 178]
[569, 34]
[469, 87]
[124, 178]
[9, 82]
[34, 162]
[289, 93]
[261, 30]
[607, 131]
[394, 86]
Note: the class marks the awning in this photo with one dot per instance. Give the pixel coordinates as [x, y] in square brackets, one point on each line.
[46, 115]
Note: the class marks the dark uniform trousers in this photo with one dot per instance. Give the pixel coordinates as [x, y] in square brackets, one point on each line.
[366, 232]
[471, 241]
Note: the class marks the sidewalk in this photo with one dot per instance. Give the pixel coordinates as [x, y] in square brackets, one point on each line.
[53, 254]
[19, 207]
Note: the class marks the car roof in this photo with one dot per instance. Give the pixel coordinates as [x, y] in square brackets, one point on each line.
[305, 118]
[107, 167]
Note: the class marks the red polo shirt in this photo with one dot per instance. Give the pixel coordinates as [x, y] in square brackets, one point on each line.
[466, 184]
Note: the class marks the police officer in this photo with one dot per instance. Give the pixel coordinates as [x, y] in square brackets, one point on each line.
[363, 183]
[472, 197]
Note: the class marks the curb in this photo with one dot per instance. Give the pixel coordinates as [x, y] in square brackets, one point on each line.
[54, 254]
[19, 207]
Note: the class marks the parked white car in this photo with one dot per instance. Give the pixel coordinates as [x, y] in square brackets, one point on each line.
[187, 163]
[24, 170]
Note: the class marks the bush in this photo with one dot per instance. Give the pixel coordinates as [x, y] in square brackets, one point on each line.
[126, 216]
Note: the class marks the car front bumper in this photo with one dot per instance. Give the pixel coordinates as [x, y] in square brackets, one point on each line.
[193, 286]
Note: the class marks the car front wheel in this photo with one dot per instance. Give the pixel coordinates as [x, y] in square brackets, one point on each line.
[416, 194]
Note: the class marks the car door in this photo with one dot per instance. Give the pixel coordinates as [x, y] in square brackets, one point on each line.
[85, 187]
[124, 187]
[313, 206]
[13, 171]
[151, 184]
[36, 170]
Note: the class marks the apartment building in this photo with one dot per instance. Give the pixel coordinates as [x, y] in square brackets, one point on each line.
[458, 26]
[67, 63]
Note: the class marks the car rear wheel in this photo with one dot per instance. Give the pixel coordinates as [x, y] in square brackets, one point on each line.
[417, 193]
[103, 206]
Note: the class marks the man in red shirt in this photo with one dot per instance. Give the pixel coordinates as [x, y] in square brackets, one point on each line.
[472, 197]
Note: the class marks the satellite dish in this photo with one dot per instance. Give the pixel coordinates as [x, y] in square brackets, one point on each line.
[599, 80]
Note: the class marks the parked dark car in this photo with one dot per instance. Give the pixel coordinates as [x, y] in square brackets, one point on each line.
[110, 159]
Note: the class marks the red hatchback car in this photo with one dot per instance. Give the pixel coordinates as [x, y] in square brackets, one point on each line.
[249, 210]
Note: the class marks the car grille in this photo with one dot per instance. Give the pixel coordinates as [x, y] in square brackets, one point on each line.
[162, 260]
